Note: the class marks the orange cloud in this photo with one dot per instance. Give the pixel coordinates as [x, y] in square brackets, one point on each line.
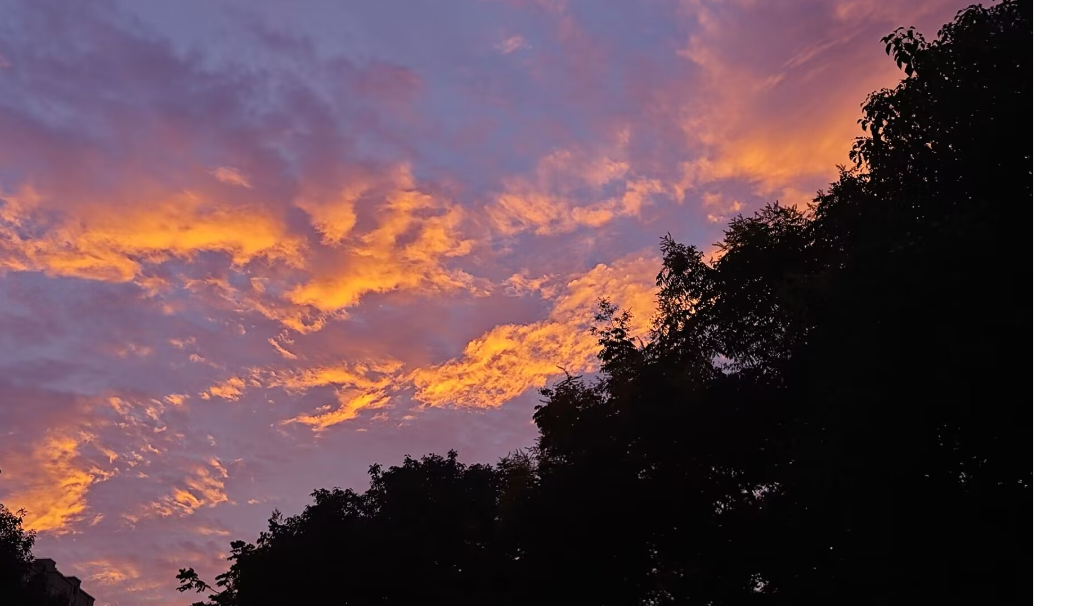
[415, 234]
[111, 243]
[510, 359]
[203, 487]
[749, 120]
[52, 482]
[502, 363]
[302, 283]
[406, 243]
[357, 387]
[334, 216]
[176, 399]
[229, 389]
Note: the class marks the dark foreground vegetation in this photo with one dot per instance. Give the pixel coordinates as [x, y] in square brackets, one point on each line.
[833, 409]
[19, 585]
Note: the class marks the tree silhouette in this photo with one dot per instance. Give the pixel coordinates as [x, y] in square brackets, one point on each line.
[18, 584]
[425, 531]
[822, 411]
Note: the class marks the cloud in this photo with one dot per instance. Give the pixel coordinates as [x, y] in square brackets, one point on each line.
[230, 176]
[511, 44]
[210, 531]
[508, 360]
[143, 209]
[107, 572]
[229, 389]
[288, 355]
[406, 250]
[520, 283]
[501, 364]
[51, 482]
[176, 399]
[204, 486]
[747, 115]
[570, 189]
[103, 242]
[334, 216]
[357, 387]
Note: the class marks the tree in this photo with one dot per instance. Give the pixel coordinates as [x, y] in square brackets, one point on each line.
[822, 411]
[18, 584]
[423, 532]
[15, 552]
[862, 399]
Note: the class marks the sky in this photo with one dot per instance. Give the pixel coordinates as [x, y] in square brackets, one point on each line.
[248, 249]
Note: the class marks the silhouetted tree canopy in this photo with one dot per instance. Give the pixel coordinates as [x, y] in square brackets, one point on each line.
[827, 409]
[18, 584]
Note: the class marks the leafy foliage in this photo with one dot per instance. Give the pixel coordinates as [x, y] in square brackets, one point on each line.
[18, 584]
[432, 519]
[15, 555]
[823, 411]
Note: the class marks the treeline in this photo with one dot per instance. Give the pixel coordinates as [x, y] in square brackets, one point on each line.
[835, 407]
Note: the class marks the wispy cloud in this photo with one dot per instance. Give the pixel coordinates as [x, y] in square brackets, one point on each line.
[511, 44]
[230, 176]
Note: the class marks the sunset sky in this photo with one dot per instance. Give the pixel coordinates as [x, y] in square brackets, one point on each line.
[248, 249]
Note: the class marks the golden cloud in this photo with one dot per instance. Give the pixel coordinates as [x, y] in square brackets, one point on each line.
[112, 243]
[334, 216]
[301, 283]
[357, 387]
[203, 487]
[229, 389]
[510, 359]
[176, 399]
[749, 121]
[52, 482]
[502, 363]
[415, 234]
